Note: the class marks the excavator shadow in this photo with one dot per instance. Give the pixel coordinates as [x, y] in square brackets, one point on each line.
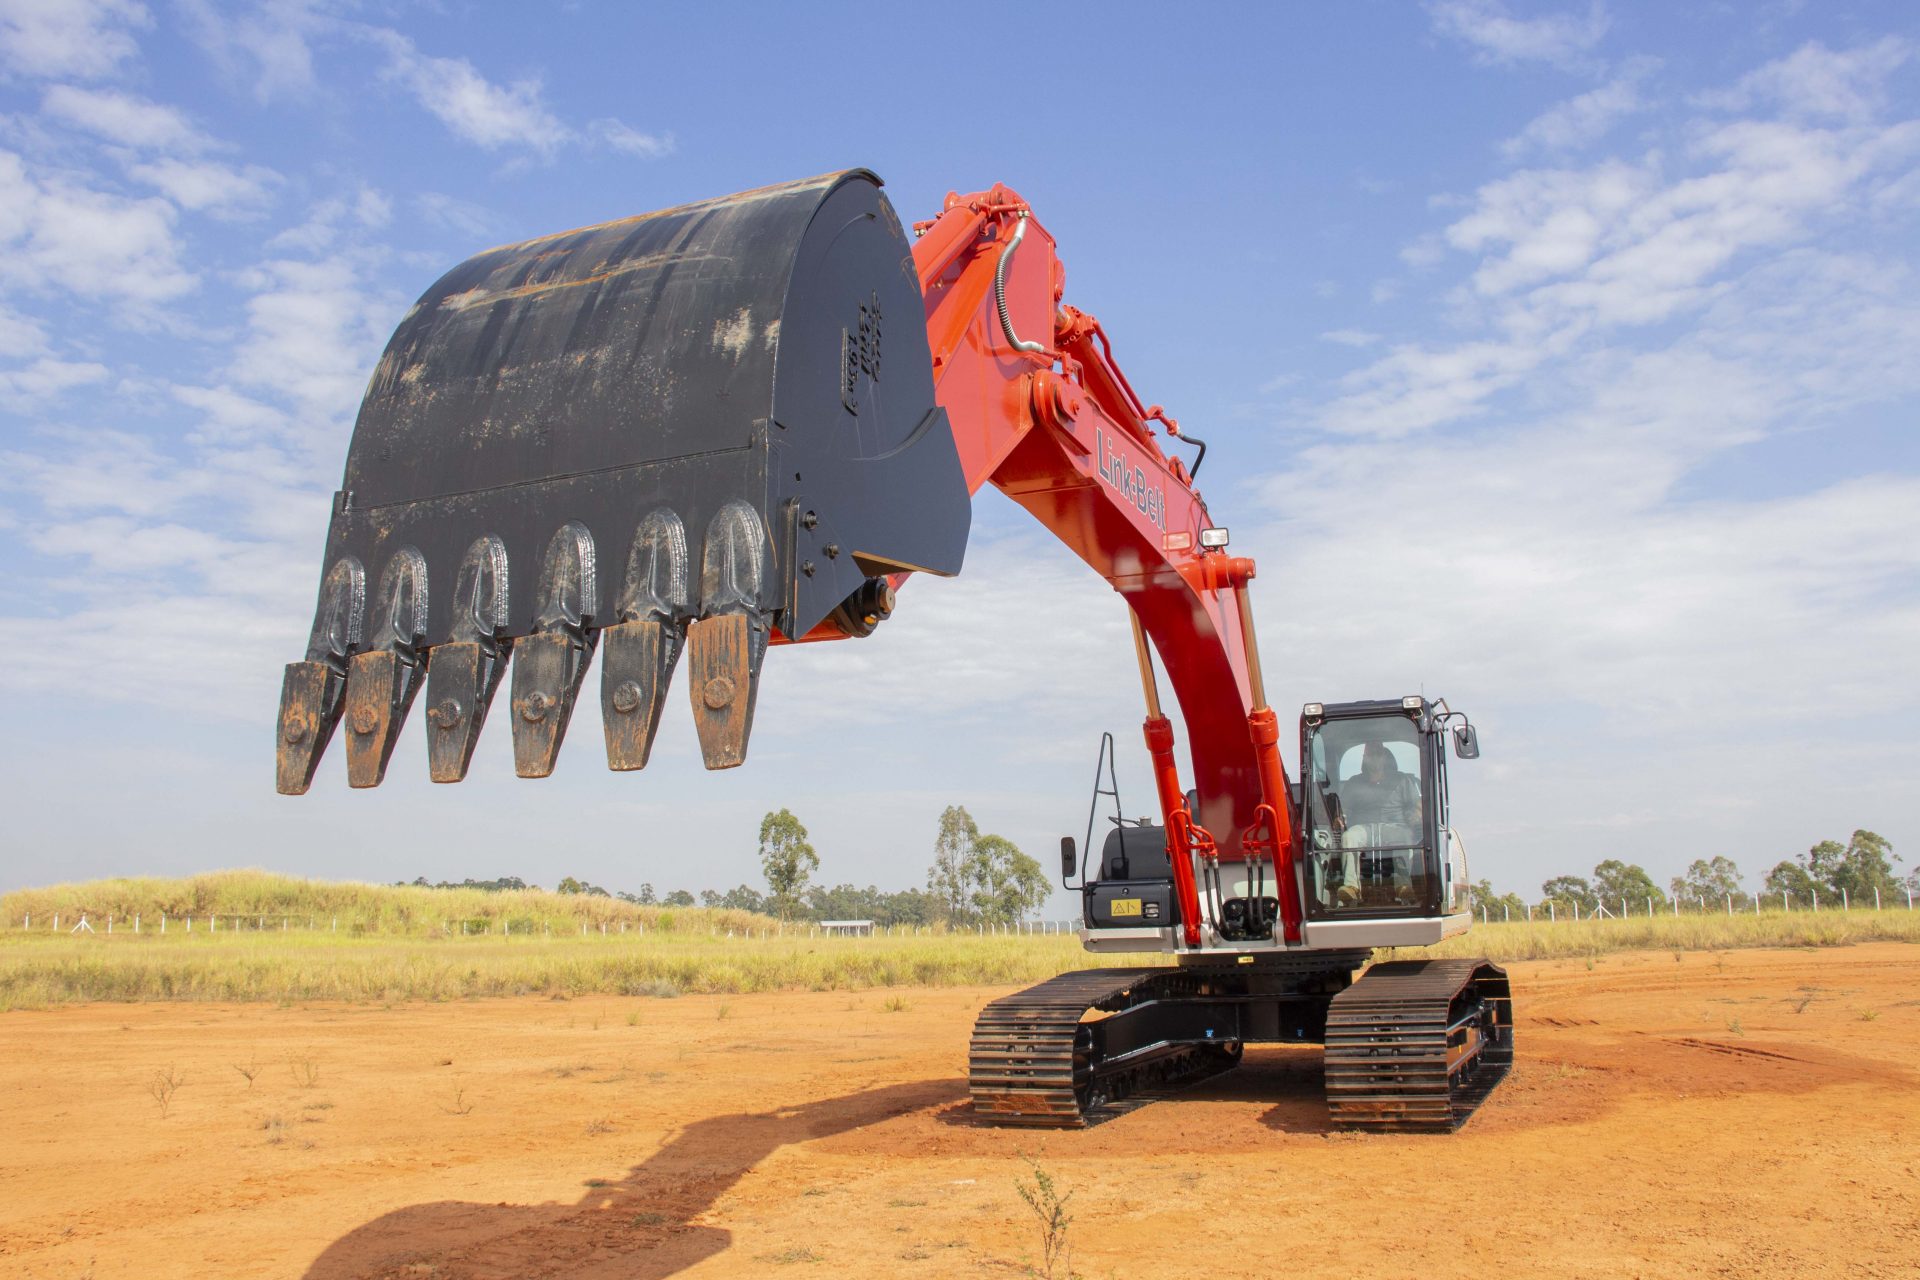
[639, 1228]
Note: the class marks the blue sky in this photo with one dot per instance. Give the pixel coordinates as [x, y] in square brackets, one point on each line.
[1558, 359]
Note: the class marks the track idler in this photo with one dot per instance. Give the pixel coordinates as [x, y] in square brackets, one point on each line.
[751, 370]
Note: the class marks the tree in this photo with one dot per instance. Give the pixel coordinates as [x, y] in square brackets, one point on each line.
[786, 859]
[1857, 868]
[1004, 883]
[1570, 891]
[1499, 906]
[1709, 881]
[678, 898]
[1865, 865]
[947, 878]
[571, 885]
[1792, 881]
[1615, 881]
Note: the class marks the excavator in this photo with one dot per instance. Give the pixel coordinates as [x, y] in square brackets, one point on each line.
[691, 437]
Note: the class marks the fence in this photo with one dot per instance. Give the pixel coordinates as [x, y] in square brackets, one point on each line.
[235, 925]
[1552, 909]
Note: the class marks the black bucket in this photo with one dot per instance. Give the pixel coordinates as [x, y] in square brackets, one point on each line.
[719, 413]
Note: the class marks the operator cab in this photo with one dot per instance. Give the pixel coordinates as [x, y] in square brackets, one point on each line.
[1377, 844]
[1378, 865]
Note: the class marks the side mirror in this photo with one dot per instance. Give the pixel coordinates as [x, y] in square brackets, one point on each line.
[1466, 743]
[1069, 859]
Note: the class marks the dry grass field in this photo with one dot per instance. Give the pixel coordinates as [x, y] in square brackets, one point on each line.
[281, 939]
[1745, 1113]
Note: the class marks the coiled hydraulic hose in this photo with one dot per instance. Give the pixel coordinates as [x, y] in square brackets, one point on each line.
[1000, 287]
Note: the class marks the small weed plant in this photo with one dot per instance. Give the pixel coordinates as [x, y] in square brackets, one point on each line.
[1050, 1207]
[161, 1088]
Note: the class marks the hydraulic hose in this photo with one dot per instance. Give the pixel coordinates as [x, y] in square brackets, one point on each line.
[1000, 287]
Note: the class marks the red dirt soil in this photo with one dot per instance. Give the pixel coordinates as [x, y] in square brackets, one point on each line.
[1752, 1114]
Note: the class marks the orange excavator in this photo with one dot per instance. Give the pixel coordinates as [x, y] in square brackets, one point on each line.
[693, 436]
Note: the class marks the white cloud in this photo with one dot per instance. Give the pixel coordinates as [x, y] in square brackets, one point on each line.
[624, 138]
[1580, 120]
[59, 235]
[314, 330]
[87, 39]
[207, 187]
[1350, 337]
[1821, 83]
[1499, 37]
[473, 107]
[372, 209]
[123, 118]
[1570, 559]
[497, 116]
[462, 217]
[268, 43]
[20, 335]
[48, 377]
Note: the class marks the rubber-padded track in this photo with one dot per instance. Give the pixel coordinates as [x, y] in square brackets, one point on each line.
[1415, 1046]
[1030, 1063]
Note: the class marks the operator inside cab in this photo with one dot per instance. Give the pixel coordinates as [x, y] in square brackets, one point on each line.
[1380, 813]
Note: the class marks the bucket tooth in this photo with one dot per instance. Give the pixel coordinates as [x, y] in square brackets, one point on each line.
[383, 680]
[726, 645]
[550, 664]
[310, 700]
[638, 653]
[467, 671]
[313, 692]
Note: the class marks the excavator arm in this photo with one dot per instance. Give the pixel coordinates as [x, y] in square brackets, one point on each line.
[701, 433]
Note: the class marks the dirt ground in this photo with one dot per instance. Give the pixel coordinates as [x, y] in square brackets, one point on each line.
[1747, 1114]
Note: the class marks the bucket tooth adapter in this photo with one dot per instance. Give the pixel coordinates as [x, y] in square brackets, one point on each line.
[466, 670]
[755, 368]
[314, 691]
[550, 664]
[383, 678]
[638, 653]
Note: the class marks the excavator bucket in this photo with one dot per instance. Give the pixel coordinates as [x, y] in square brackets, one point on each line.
[703, 429]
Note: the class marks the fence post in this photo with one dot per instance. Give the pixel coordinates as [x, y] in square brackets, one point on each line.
[136, 922]
[1816, 898]
[1784, 904]
[56, 922]
[1729, 904]
[1844, 904]
[163, 922]
[109, 922]
[1553, 913]
[1506, 910]
[1876, 897]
